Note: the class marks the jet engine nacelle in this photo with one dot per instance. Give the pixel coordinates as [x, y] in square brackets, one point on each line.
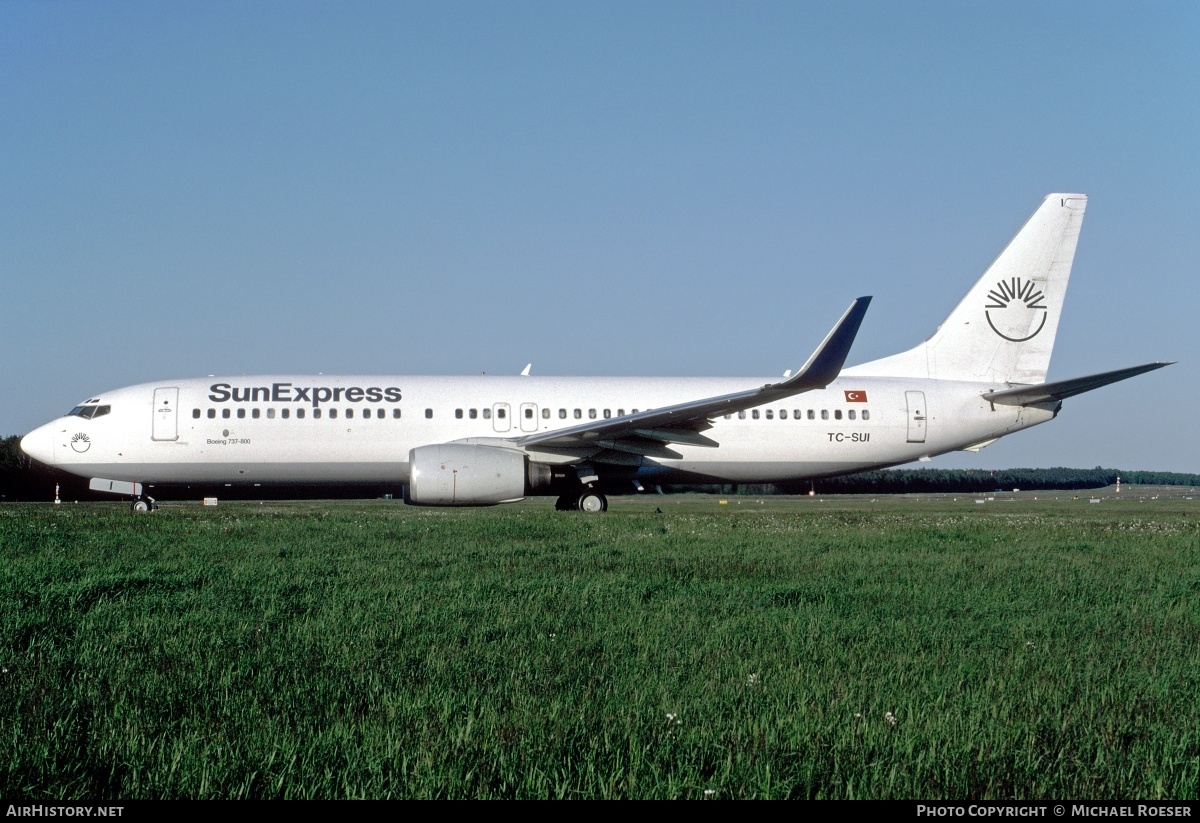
[458, 474]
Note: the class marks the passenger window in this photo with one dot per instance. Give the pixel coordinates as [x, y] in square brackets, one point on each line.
[212, 413]
[396, 414]
[300, 413]
[529, 414]
[545, 414]
[195, 414]
[837, 414]
[254, 413]
[729, 417]
[473, 413]
[783, 414]
[429, 414]
[741, 415]
[824, 414]
[754, 414]
[770, 414]
[316, 414]
[607, 414]
[487, 414]
[380, 413]
[366, 414]
[579, 414]
[866, 415]
[620, 412]
[812, 415]
[458, 414]
[562, 414]
[591, 414]
[241, 414]
[225, 413]
[270, 414]
[333, 414]
[349, 413]
[850, 414]
[285, 413]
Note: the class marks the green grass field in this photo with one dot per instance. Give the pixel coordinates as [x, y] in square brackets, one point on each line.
[932, 648]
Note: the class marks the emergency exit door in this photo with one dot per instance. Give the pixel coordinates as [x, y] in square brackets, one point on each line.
[529, 421]
[501, 422]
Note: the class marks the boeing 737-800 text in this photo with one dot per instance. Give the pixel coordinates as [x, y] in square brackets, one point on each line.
[482, 440]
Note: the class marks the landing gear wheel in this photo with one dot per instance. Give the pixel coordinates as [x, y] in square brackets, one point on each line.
[140, 506]
[566, 503]
[591, 501]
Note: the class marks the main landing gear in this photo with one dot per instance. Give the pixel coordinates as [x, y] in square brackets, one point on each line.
[589, 500]
[592, 501]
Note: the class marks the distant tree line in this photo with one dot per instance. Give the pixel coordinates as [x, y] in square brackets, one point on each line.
[961, 481]
[15, 467]
[899, 481]
[22, 479]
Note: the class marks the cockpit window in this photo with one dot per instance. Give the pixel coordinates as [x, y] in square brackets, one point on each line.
[88, 412]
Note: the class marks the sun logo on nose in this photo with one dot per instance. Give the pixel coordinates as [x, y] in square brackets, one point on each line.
[81, 442]
[1014, 308]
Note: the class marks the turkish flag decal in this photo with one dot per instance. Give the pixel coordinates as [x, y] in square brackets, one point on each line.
[856, 397]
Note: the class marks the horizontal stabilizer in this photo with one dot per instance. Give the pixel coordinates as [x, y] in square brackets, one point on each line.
[1062, 389]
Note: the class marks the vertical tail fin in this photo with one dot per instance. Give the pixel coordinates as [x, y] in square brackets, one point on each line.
[1003, 330]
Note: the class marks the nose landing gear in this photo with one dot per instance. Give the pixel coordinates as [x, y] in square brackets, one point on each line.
[142, 505]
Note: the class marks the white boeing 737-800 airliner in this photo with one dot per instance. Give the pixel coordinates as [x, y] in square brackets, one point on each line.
[471, 441]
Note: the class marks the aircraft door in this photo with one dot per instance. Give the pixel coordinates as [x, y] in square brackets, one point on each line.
[501, 421]
[166, 421]
[529, 422]
[916, 416]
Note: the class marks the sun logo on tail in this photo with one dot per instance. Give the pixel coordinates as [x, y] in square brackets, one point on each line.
[1014, 308]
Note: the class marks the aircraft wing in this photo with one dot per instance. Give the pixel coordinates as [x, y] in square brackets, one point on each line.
[627, 438]
[1062, 389]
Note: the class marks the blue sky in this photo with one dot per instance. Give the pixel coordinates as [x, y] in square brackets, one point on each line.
[196, 188]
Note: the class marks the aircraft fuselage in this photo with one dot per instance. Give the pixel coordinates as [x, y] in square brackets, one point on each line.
[251, 430]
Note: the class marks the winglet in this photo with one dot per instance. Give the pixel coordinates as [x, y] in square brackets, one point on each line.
[693, 417]
[823, 367]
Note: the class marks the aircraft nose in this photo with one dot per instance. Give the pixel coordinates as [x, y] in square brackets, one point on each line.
[39, 444]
